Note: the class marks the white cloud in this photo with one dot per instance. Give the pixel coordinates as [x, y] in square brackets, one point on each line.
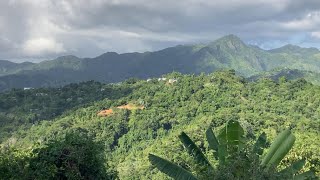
[316, 34]
[309, 21]
[41, 46]
[49, 28]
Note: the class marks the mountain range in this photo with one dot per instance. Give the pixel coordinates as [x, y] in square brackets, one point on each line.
[228, 52]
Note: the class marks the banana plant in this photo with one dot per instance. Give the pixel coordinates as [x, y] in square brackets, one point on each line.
[278, 150]
[229, 143]
[230, 138]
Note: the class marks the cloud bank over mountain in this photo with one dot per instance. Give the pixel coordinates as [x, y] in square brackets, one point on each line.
[42, 29]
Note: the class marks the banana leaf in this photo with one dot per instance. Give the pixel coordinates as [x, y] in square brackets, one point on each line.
[279, 148]
[232, 135]
[260, 144]
[294, 167]
[222, 153]
[213, 142]
[306, 175]
[170, 168]
[194, 150]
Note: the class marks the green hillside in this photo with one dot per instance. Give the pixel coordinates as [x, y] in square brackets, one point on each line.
[190, 104]
[289, 74]
[7, 67]
[228, 52]
[296, 50]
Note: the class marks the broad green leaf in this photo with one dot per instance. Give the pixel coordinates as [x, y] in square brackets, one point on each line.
[222, 153]
[213, 142]
[232, 136]
[193, 149]
[282, 151]
[294, 168]
[279, 148]
[170, 168]
[260, 144]
[306, 175]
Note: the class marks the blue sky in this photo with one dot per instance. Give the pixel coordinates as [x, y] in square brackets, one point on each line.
[36, 30]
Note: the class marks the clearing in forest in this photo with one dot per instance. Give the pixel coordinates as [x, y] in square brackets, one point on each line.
[108, 112]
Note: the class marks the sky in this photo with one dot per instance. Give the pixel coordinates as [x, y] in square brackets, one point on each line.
[36, 30]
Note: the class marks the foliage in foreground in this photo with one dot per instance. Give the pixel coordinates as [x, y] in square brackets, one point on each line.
[235, 160]
[191, 104]
[76, 156]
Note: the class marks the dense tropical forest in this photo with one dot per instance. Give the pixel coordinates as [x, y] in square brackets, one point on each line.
[228, 52]
[92, 130]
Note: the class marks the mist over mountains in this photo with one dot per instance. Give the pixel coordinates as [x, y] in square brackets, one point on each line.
[228, 52]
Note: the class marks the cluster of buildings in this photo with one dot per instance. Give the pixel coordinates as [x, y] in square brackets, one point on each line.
[170, 81]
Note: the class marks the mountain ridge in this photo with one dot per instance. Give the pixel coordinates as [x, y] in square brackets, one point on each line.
[290, 48]
[228, 37]
[228, 52]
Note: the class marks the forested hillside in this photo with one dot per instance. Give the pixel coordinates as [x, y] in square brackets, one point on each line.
[228, 52]
[22, 108]
[175, 103]
[289, 74]
[7, 67]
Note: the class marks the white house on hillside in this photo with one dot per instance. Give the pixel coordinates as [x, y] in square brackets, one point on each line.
[162, 79]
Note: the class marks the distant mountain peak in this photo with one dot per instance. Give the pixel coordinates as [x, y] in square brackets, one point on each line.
[6, 62]
[231, 37]
[67, 57]
[108, 54]
[230, 41]
[290, 48]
